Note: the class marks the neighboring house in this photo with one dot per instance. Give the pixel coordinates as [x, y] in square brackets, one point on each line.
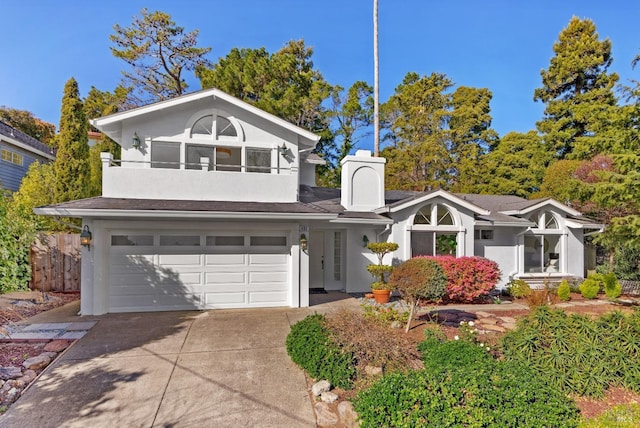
[17, 151]
[214, 205]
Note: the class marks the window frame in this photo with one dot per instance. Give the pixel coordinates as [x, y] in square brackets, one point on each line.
[12, 157]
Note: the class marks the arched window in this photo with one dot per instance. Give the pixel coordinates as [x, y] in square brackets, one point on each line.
[543, 251]
[434, 231]
[203, 127]
[550, 221]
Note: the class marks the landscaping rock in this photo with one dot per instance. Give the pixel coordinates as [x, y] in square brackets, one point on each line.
[507, 320]
[491, 327]
[10, 391]
[396, 324]
[28, 376]
[320, 387]
[56, 345]
[373, 371]
[52, 355]
[485, 314]
[37, 363]
[7, 373]
[324, 415]
[348, 416]
[329, 397]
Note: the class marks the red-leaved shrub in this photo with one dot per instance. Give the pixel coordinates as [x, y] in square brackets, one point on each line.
[468, 277]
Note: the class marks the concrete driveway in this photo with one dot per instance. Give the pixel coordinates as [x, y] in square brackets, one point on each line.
[223, 368]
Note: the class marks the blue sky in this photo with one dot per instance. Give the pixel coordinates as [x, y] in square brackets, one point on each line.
[501, 45]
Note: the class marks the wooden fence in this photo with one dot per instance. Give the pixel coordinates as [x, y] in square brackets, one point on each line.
[55, 262]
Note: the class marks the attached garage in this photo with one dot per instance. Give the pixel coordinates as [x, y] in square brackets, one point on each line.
[159, 270]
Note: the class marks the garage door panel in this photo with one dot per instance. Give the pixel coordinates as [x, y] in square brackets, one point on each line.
[182, 260]
[225, 259]
[268, 259]
[266, 297]
[226, 278]
[230, 299]
[133, 262]
[267, 277]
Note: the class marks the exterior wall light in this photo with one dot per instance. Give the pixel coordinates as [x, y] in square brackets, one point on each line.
[365, 240]
[283, 150]
[303, 242]
[135, 141]
[85, 237]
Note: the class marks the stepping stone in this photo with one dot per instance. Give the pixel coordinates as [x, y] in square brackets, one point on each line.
[85, 325]
[507, 320]
[41, 335]
[48, 326]
[73, 335]
[485, 314]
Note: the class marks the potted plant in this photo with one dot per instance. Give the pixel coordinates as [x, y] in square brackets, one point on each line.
[380, 288]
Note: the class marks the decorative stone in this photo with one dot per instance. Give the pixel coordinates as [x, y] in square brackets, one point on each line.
[329, 397]
[348, 416]
[23, 304]
[56, 345]
[373, 371]
[320, 387]
[324, 415]
[37, 363]
[51, 355]
[28, 376]
[508, 320]
[10, 391]
[396, 324]
[485, 314]
[10, 373]
[493, 328]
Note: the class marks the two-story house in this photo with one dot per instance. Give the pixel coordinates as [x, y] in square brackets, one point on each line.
[17, 152]
[214, 205]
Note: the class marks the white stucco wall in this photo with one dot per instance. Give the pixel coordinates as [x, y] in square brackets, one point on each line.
[502, 249]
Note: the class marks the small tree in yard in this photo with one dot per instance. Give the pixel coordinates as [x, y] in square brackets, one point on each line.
[417, 280]
[380, 271]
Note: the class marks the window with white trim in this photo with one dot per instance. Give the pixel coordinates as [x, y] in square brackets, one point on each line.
[11, 156]
[483, 234]
[337, 255]
[434, 232]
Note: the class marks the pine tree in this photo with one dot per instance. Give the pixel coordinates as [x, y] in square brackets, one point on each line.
[72, 159]
[578, 91]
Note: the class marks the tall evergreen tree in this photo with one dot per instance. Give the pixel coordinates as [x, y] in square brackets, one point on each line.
[72, 159]
[516, 166]
[159, 51]
[577, 90]
[471, 136]
[415, 122]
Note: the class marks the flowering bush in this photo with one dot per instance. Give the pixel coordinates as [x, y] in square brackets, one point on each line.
[468, 277]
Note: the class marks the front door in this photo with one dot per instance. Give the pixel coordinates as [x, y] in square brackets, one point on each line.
[316, 260]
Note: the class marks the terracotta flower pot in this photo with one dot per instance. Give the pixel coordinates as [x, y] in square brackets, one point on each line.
[381, 296]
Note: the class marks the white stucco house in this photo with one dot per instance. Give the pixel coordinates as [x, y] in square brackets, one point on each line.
[214, 205]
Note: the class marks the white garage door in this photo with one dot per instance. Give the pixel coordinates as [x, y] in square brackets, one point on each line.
[163, 271]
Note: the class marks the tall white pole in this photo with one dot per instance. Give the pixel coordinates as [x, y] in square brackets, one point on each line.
[376, 96]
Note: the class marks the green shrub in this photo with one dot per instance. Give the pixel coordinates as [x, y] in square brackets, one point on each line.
[564, 290]
[578, 354]
[453, 354]
[612, 288]
[590, 288]
[492, 394]
[309, 346]
[518, 288]
[621, 416]
[17, 232]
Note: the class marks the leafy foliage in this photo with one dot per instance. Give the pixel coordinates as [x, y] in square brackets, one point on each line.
[578, 354]
[418, 279]
[518, 288]
[26, 122]
[468, 277]
[309, 346]
[564, 290]
[590, 288]
[462, 385]
[17, 233]
[626, 263]
[158, 52]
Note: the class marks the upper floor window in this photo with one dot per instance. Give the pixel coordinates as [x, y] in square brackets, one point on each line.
[440, 216]
[13, 157]
[204, 127]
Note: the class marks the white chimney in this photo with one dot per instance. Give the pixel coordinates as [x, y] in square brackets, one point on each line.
[362, 181]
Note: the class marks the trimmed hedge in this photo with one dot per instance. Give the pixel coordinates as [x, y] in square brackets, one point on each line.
[309, 346]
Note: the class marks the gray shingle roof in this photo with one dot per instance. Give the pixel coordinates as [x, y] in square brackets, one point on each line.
[11, 132]
[495, 203]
